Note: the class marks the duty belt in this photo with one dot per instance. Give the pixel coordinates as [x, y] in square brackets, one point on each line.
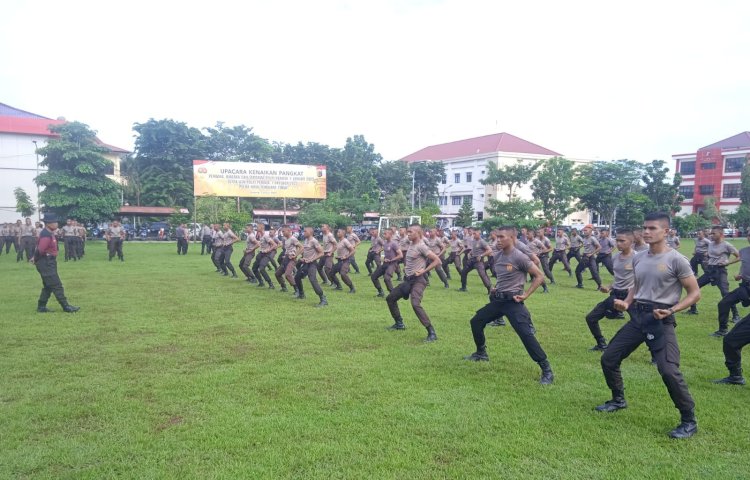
[650, 307]
[505, 295]
[619, 294]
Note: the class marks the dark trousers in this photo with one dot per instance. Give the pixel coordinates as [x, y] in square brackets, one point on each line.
[574, 253]
[601, 310]
[717, 276]
[309, 270]
[182, 246]
[729, 301]
[520, 320]
[70, 248]
[259, 268]
[27, 245]
[698, 259]
[226, 260]
[325, 265]
[372, 257]
[245, 263]
[544, 260]
[661, 339]
[10, 240]
[384, 270]
[206, 244]
[285, 270]
[588, 261]
[452, 259]
[606, 260]
[217, 256]
[412, 288]
[115, 248]
[733, 343]
[353, 263]
[478, 264]
[80, 246]
[559, 255]
[341, 267]
[51, 284]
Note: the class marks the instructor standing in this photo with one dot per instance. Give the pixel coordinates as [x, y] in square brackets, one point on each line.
[45, 259]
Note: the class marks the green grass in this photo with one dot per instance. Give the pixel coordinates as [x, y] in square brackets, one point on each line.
[171, 371]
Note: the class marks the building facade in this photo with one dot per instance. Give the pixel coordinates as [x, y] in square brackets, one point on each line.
[713, 171]
[21, 134]
[466, 164]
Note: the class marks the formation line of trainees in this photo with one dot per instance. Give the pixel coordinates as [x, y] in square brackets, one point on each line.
[649, 277]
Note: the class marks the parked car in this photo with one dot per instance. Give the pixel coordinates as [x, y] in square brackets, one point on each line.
[151, 231]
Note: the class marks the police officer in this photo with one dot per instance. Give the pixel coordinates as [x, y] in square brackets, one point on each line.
[45, 259]
[562, 244]
[544, 254]
[307, 267]
[660, 275]
[68, 234]
[390, 263]
[206, 239]
[413, 286]
[230, 238]
[267, 244]
[373, 254]
[182, 235]
[673, 241]
[291, 251]
[638, 244]
[217, 250]
[733, 344]
[622, 264]
[588, 260]
[325, 263]
[81, 239]
[479, 249]
[403, 244]
[27, 235]
[740, 294]
[576, 242]
[437, 243]
[534, 246]
[115, 234]
[507, 299]
[344, 252]
[719, 252]
[354, 240]
[700, 252]
[457, 248]
[251, 245]
[606, 244]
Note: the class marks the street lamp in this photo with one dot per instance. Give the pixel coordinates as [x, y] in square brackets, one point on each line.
[36, 180]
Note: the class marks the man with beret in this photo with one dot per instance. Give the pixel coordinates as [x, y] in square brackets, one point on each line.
[45, 260]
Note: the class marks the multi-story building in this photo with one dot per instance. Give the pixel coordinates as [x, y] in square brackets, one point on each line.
[713, 171]
[21, 133]
[466, 163]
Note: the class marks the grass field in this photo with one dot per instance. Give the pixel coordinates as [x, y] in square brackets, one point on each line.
[172, 371]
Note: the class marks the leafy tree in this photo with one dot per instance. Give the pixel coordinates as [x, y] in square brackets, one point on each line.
[427, 214]
[554, 187]
[236, 144]
[24, 205]
[465, 215]
[213, 209]
[426, 178]
[741, 218]
[397, 203]
[360, 163]
[516, 212]
[690, 223]
[603, 186]
[75, 183]
[633, 209]
[663, 193]
[745, 185]
[510, 176]
[393, 177]
[712, 213]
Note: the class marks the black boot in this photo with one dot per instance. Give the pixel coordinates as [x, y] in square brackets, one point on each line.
[67, 308]
[688, 426]
[431, 335]
[601, 345]
[399, 325]
[547, 376]
[352, 290]
[735, 378]
[693, 310]
[323, 301]
[42, 309]
[296, 292]
[500, 322]
[380, 294]
[722, 332]
[479, 356]
[300, 296]
[617, 403]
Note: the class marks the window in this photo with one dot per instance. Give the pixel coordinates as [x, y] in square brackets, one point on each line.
[443, 200]
[687, 168]
[110, 169]
[731, 190]
[456, 200]
[706, 189]
[456, 178]
[734, 165]
[708, 166]
[482, 172]
[480, 216]
[468, 177]
[444, 179]
[468, 199]
[686, 191]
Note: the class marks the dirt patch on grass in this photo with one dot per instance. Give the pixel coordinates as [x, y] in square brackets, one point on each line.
[166, 348]
[241, 350]
[173, 420]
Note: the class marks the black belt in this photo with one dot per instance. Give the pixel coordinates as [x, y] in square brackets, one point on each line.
[505, 295]
[650, 307]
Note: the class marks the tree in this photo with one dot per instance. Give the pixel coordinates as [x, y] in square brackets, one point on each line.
[603, 186]
[426, 178]
[745, 185]
[393, 177]
[711, 213]
[633, 209]
[236, 144]
[396, 204]
[465, 215]
[75, 183]
[663, 193]
[510, 176]
[690, 223]
[427, 214]
[554, 187]
[741, 218]
[516, 212]
[24, 205]
[213, 209]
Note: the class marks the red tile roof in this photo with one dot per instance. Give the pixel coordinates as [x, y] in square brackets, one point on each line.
[498, 142]
[741, 140]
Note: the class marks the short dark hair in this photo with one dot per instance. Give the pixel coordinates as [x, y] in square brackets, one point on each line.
[659, 217]
[718, 227]
[507, 228]
[625, 231]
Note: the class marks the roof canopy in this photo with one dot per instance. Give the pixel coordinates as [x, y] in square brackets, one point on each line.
[498, 142]
[741, 140]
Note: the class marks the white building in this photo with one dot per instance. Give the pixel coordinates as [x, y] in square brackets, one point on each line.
[21, 133]
[466, 164]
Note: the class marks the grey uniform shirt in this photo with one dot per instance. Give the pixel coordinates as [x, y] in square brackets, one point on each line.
[229, 238]
[391, 249]
[329, 243]
[701, 245]
[607, 244]
[456, 245]
[657, 277]
[353, 238]
[69, 231]
[218, 238]
[745, 265]
[377, 245]
[416, 258]
[561, 243]
[590, 244]
[290, 246]
[718, 253]
[206, 231]
[576, 242]
[511, 270]
[623, 268]
[27, 230]
[640, 248]
[545, 243]
[435, 244]
[266, 242]
[114, 232]
[342, 248]
[523, 248]
[252, 242]
[673, 241]
[403, 243]
[535, 246]
[310, 248]
[478, 247]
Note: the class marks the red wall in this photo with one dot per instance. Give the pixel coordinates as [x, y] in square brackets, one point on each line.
[708, 177]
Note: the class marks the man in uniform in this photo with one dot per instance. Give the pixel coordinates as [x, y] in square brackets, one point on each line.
[217, 252]
[206, 239]
[457, 248]
[622, 264]
[507, 299]
[576, 242]
[344, 252]
[373, 254]
[45, 259]
[438, 244]
[468, 238]
[533, 246]
[182, 239]
[403, 244]
[307, 267]
[68, 234]
[638, 244]
[390, 263]
[415, 267]
[544, 254]
[719, 252]
[80, 239]
[588, 260]
[673, 241]
[739, 294]
[355, 241]
[606, 244]
[479, 250]
[26, 235]
[700, 252]
[267, 245]
[115, 235]
[524, 236]
[292, 249]
[660, 275]
[325, 263]
[251, 245]
[562, 244]
[230, 238]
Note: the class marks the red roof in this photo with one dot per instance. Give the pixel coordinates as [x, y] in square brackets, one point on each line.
[741, 140]
[498, 142]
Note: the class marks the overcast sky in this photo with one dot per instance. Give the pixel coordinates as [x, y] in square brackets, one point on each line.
[638, 79]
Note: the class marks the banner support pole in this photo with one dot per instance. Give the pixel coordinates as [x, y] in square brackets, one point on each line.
[195, 219]
[284, 210]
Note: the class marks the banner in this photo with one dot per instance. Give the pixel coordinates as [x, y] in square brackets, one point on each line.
[274, 180]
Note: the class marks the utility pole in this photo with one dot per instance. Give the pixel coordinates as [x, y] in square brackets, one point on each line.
[38, 207]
